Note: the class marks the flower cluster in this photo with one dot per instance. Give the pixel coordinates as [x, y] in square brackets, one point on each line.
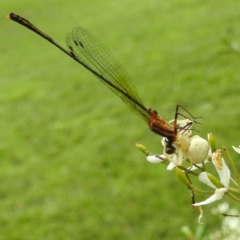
[196, 152]
[187, 148]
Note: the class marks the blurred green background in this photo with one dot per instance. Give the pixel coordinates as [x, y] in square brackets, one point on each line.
[69, 168]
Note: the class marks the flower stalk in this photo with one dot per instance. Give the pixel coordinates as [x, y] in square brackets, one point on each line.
[191, 158]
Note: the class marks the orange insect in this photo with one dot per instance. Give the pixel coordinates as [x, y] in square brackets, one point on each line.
[87, 50]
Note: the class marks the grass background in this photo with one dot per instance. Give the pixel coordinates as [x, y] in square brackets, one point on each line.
[69, 168]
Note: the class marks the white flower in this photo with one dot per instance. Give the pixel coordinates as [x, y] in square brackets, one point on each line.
[236, 149]
[187, 147]
[224, 174]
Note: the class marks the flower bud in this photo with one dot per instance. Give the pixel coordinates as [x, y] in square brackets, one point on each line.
[198, 150]
[142, 148]
[214, 180]
[212, 143]
[182, 176]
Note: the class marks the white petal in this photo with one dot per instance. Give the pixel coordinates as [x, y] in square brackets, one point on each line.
[163, 141]
[236, 149]
[154, 159]
[171, 166]
[176, 159]
[224, 174]
[204, 178]
[208, 201]
[192, 168]
[208, 136]
[179, 157]
[217, 159]
[216, 196]
[220, 192]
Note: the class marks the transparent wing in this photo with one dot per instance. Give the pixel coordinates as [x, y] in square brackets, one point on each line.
[93, 55]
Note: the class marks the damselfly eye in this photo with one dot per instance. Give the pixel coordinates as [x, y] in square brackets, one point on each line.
[155, 112]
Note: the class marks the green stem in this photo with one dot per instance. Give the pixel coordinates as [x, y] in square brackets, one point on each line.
[233, 197]
[200, 168]
[233, 181]
[201, 191]
[188, 171]
[234, 190]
